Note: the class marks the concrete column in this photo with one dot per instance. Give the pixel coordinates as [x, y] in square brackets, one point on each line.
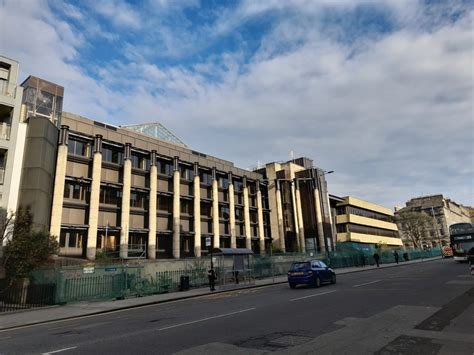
[233, 236]
[125, 215]
[261, 230]
[281, 230]
[94, 199]
[333, 231]
[176, 210]
[197, 212]
[295, 215]
[299, 211]
[319, 217]
[152, 207]
[59, 182]
[215, 210]
[248, 236]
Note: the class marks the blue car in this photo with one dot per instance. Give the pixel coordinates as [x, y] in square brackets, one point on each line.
[312, 273]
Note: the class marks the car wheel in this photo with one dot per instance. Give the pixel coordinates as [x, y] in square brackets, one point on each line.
[333, 278]
[317, 282]
[292, 285]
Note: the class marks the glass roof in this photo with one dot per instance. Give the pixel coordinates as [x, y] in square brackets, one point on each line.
[156, 130]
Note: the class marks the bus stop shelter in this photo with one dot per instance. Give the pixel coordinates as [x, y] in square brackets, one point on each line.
[234, 267]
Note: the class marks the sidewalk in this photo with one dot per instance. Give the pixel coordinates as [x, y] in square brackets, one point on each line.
[82, 309]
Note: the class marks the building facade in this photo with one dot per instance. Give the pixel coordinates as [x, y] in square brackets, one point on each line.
[301, 218]
[12, 134]
[442, 211]
[117, 190]
[361, 224]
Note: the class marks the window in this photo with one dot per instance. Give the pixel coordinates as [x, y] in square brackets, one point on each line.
[253, 216]
[3, 163]
[140, 162]
[165, 204]
[186, 207]
[78, 147]
[239, 214]
[71, 239]
[223, 182]
[112, 155]
[186, 173]
[238, 186]
[138, 199]
[110, 196]
[165, 167]
[206, 209]
[74, 191]
[224, 212]
[205, 177]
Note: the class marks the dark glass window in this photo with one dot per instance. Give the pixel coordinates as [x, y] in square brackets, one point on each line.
[140, 162]
[206, 209]
[110, 196]
[112, 155]
[239, 214]
[74, 191]
[165, 204]
[206, 178]
[165, 167]
[224, 212]
[186, 207]
[238, 186]
[186, 173]
[138, 199]
[78, 147]
[71, 239]
[223, 182]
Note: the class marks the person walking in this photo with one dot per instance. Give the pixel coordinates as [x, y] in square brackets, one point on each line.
[211, 275]
[377, 259]
[395, 254]
[362, 259]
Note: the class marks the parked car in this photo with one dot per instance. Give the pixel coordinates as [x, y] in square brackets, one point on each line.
[313, 273]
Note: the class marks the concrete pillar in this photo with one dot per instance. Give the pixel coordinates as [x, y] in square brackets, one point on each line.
[261, 229]
[333, 231]
[295, 215]
[319, 216]
[197, 211]
[281, 230]
[59, 182]
[176, 210]
[125, 215]
[248, 234]
[299, 211]
[94, 199]
[215, 210]
[233, 235]
[152, 207]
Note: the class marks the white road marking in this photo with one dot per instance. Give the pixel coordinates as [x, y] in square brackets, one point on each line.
[206, 319]
[314, 295]
[367, 283]
[60, 350]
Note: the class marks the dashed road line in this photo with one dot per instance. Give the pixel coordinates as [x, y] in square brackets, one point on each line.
[367, 283]
[206, 319]
[59, 351]
[314, 295]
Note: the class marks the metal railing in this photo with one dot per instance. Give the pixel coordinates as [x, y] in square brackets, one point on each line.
[20, 296]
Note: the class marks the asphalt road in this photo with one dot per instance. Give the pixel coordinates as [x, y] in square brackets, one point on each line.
[261, 319]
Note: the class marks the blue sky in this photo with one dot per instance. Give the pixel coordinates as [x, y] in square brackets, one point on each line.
[379, 91]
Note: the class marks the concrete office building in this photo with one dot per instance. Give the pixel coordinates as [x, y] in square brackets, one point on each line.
[301, 215]
[116, 189]
[12, 134]
[361, 224]
[442, 211]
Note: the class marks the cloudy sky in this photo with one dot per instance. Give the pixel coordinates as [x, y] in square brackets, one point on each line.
[381, 92]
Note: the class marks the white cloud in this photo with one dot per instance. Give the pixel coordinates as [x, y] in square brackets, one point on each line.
[391, 114]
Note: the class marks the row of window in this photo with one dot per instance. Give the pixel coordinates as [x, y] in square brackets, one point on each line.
[355, 228]
[363, 213]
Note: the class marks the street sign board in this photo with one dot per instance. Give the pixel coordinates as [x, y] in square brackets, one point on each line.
[208, 241]
[88, 270]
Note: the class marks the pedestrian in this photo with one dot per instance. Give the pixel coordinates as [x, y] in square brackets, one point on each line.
[377, 258]
[395, 254]
[211, 275]
[405, 256]
[236, 275]
[362, 259]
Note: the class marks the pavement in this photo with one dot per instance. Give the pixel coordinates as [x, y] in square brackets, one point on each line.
[83, 309]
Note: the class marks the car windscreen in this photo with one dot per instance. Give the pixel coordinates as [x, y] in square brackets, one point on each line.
[299, 266]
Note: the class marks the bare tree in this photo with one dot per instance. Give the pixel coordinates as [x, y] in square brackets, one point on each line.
[6, 225]
[413, 226]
